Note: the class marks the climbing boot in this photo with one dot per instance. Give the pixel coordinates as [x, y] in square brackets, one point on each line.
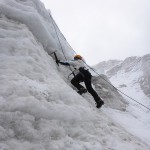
[99, 104]
[82, 90]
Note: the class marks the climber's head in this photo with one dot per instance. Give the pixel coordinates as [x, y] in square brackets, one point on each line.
[76, 57]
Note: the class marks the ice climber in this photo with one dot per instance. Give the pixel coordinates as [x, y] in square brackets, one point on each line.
[82, 75]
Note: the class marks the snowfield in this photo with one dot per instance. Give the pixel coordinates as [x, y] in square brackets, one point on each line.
[39, 109]
[126, 76]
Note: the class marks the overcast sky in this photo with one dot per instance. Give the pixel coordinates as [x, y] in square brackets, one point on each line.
[104, 29]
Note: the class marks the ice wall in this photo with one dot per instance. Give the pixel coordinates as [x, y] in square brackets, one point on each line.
[38, 108]
[39, 21]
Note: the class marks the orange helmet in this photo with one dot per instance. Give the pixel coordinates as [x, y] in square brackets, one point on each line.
[78, 57]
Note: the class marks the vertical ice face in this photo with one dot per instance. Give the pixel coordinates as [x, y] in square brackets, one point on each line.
[40, 23]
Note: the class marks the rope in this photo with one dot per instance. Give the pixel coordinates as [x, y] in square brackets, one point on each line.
[92, 68]
[117, 88]
[114, 86]
[57, 36]
[60, 42]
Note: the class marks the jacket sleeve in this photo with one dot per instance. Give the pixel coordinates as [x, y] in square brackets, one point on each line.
[68, 63]
[64, 63]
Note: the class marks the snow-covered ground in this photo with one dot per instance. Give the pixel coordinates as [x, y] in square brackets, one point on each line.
[136, 118]
[39, 110]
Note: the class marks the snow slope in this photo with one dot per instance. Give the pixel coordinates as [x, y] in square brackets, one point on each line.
[131, 76]
[39, 110]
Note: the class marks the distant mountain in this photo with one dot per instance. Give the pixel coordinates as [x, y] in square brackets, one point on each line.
[129, 73]
[104, 66]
